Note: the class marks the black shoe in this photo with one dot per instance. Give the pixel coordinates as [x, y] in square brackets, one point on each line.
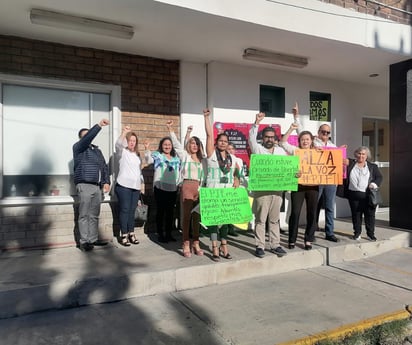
[86, 247]
[308, 247]
[233, 233]
[291, 246]
[170, 238]
[100, 243]
[331, 238]
[372, 238]
[162, 239]
[279, 251]
[260, 253]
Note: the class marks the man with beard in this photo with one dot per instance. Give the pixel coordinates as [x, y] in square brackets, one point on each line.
[266, 204]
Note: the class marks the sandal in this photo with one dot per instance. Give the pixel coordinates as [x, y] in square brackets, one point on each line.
[125, 241]
[196, 248]
[133, 239]
[224, 253]
[186, 249]
[215, 257]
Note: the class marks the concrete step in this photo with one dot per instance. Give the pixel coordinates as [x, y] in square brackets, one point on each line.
[62, 278]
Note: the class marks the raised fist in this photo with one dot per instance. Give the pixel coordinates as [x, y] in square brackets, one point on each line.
[104, 122]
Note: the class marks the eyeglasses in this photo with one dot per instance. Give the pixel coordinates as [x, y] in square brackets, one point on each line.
[325, 132]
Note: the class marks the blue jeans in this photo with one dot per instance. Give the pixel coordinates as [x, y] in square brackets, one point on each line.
[127, 199]
[329, 195]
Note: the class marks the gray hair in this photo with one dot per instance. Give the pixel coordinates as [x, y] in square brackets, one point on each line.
[363, 148]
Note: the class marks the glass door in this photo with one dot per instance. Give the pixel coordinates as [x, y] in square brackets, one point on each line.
[375, 135]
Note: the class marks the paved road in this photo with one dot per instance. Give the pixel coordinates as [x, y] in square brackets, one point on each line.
[266, 310]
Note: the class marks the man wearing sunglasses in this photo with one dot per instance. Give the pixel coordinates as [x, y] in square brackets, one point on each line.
[322, 140]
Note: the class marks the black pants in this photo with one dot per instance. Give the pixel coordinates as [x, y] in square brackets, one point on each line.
[165, 202]
[310, 194]
[359, 205]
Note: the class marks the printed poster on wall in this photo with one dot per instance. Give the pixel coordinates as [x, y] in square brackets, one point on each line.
[238, 134]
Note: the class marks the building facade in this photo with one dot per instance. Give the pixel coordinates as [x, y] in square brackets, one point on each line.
[53, 83]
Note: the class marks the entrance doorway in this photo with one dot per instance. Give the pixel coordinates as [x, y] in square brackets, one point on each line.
[375, 135]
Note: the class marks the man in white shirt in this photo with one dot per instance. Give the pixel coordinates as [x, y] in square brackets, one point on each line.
[266, 204]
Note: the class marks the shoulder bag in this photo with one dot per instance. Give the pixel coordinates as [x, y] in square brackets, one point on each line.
[142, 210]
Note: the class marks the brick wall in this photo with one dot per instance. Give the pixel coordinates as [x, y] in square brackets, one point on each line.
[378, 10]
[42, 226]
[150, 97]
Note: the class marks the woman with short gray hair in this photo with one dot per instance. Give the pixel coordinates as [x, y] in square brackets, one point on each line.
[362, 177]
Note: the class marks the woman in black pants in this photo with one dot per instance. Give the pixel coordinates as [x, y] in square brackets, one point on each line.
[166, 165]
[362, 177]
[308, 193]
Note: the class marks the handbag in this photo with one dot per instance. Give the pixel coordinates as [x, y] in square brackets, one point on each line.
[375, 197]
[142, 210]
[341, 191]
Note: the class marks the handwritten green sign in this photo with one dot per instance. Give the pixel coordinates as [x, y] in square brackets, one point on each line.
[273, 173]
[224, 206]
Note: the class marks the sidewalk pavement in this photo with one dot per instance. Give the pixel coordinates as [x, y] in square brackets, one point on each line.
[168, 299]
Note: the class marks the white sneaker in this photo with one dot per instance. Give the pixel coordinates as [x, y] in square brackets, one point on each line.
[357, 238]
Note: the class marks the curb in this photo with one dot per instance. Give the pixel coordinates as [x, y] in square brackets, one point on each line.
[351, 328]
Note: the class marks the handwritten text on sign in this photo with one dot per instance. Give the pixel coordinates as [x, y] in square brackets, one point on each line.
[320, 166]
[273, 173]
[224, 206]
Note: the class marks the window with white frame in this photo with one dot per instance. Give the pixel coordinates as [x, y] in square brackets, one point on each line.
[40, 124]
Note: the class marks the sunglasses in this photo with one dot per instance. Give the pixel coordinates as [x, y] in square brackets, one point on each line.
[325, 132]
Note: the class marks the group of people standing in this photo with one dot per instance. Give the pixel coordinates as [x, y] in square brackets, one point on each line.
[186, 165]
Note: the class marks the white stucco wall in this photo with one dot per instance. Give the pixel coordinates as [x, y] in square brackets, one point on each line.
[311, 17]
[232, 93]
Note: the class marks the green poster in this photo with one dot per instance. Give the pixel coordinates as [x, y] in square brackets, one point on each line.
[273, 173]
[224, 206]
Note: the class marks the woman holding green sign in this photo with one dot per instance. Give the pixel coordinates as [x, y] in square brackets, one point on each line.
[304, 192]
[222, 172]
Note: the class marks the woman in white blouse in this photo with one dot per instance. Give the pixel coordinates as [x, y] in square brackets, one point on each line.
[362, 176]
[128, 184]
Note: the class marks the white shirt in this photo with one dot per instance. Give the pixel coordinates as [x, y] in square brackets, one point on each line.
[129, 166]
[255, 147]
[359, 178]
[190, 169]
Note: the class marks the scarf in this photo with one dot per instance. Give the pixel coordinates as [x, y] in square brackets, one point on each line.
[224, 164]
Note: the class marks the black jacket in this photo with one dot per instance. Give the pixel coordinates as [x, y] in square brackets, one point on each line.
[375, 174]
[89, 163]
